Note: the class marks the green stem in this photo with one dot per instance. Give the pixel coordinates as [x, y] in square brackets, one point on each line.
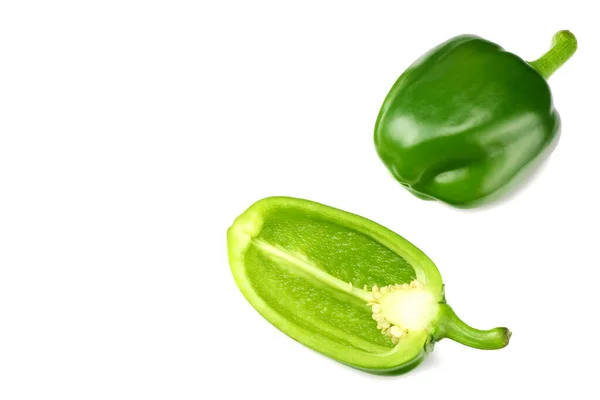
[451, 327]
[563, 47]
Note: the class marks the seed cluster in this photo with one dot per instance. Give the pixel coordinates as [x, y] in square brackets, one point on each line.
[394, 332]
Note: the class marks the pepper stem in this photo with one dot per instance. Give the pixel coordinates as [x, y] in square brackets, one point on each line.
[451, 327]
[563, 47]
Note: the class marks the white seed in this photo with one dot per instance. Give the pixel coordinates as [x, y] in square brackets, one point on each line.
[384, 289]
[396, 332]
[376, 308]
[416, 285]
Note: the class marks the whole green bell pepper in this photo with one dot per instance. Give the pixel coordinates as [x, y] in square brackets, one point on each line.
[468, 121]
[345, 286]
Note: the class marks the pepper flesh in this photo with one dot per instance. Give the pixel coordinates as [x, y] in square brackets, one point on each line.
[345, 286]
[468, 122]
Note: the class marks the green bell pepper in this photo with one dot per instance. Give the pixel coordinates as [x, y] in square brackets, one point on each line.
[345, 286]
[468, 122]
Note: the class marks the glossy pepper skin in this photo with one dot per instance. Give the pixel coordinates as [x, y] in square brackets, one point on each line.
[468, 122]
[345, 286]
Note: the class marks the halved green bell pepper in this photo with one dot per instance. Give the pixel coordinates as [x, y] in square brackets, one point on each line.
[345, 286]
[468, 122]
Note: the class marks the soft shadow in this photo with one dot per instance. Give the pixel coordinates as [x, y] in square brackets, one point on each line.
[507, 196]
[430, 362]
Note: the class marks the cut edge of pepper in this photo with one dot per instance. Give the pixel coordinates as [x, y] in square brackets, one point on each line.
[413, 346]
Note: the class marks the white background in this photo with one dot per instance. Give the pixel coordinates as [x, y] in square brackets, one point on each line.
[133, 133]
